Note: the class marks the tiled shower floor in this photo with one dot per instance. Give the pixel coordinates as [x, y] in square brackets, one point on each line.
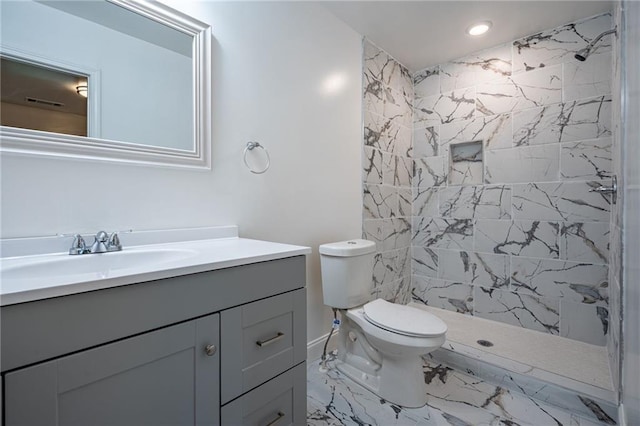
[454, 399]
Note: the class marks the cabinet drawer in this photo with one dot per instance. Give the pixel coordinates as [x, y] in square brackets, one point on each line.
[279, 402]
[261, 340]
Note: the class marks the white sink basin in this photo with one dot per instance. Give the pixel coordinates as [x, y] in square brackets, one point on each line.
[97, 264]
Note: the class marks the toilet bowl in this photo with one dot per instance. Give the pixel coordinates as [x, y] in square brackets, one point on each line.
[380, 344]
[383, 353]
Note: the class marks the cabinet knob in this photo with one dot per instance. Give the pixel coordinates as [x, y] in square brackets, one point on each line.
[210, 350]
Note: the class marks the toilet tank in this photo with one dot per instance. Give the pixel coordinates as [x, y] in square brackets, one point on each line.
[347, 272]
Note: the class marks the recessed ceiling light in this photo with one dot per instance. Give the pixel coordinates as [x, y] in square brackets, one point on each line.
[479, 28]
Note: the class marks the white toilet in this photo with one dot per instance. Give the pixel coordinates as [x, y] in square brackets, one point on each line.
[380, 343]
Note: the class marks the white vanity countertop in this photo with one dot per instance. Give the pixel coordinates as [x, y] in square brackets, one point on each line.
[176, 258]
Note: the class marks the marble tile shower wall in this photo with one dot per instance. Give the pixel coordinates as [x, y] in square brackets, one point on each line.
[529, 244]
[388, 169]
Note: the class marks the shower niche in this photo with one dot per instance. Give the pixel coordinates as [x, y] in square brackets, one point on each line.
[466, 163]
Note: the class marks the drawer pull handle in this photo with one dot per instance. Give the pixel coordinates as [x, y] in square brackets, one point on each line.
[277, 419]
[275, 338]
[210, 350]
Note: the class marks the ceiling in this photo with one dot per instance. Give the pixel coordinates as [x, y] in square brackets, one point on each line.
[20, 81]
[420, 34]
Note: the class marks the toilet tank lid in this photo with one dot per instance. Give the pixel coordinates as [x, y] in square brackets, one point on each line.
[348, 248]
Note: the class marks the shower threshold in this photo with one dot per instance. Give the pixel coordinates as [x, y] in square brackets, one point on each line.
[536, 359]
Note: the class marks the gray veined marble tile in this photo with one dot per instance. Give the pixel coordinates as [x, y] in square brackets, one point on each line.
[480, 67]
[570, 121]
[494, 131]
[456, 297]
[557, 279]
[425, 142]
[523, 164]
[587, 323]
[532, 238]
[375, 61]
[466, 173]
[483, 269]
[468, 396]
[397, 264]
[399, 139]
[425, 202]
[424, 261]
[446, 393]
[334, 400]
[372, 169]
[589, 78]
[585, 242]
[443, 233]
[560, 44]
[429, 172]
[391, 266]
[380, 66]
[444, 108]
[586, 160]
[397, 171]
[399, 106]
[474, 202]
[405, 199]
[398, 291]
[396, 234]
[379, 202]
[381, 100]
[566, 201]
[374, 95]
[376, 129]
[517, 384]
[521, 91]
[386, 134]
[535, 313]
[427, 82]
[372, 231]
[380, 273]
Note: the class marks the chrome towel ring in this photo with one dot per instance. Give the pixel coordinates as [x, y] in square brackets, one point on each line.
[250, 146]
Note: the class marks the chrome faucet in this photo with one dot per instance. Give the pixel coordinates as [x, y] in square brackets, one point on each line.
[103, 243]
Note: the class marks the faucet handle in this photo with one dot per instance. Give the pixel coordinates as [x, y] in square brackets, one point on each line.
[114, 242]
[78, 246]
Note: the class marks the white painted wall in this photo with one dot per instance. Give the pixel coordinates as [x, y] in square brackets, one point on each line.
[132, 72]
[271, 65]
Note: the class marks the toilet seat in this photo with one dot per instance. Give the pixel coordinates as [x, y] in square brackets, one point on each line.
[403, 319]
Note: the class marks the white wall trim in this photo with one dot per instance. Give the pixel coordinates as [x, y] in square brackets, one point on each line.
[315, 346]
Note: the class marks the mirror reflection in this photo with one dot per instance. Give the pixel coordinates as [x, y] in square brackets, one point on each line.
[38, 98]
[138, 73]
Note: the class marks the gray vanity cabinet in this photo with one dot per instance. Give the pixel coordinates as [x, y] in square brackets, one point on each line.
[224, 346]
[153, 379]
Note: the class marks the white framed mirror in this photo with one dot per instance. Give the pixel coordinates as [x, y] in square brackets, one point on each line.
[139, 71]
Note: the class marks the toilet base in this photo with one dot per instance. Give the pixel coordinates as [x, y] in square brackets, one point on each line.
[399, 380]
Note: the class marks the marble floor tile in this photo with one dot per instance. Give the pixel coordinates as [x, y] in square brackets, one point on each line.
[454, 398]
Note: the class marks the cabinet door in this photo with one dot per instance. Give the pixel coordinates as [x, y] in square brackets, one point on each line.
[165, 377]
